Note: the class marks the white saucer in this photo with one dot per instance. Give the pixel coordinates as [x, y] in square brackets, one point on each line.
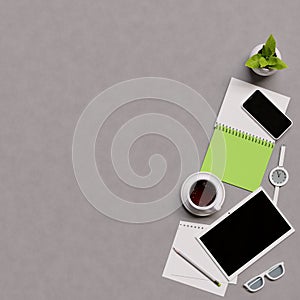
[205, 210]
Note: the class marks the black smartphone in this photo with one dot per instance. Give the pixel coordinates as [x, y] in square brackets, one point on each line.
[263, 111]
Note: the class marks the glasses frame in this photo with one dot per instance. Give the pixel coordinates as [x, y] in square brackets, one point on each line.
[262, 277]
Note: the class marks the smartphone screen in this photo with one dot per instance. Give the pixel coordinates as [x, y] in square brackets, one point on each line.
[267, 114]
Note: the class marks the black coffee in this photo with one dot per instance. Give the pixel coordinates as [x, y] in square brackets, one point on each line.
[203, 193]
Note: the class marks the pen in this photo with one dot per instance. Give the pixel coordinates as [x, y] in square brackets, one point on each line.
[216, 282]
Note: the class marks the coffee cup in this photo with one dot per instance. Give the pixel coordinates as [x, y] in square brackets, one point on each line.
[202, 194]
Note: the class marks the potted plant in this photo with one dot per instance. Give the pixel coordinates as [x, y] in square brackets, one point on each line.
[265, 59]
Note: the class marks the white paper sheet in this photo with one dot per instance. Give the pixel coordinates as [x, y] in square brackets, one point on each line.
[232, 114]
[179, 270]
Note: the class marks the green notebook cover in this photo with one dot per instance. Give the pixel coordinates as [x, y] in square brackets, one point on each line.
[237, 158]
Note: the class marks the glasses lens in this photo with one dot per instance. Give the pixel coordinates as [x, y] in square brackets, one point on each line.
[276, 272]
[256, 284]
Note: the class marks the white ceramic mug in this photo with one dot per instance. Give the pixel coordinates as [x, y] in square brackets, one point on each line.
[213, 204]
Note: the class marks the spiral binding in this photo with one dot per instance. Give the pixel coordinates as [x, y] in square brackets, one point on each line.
[244, 135]
[186, 224]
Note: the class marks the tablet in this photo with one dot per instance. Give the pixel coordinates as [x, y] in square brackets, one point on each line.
[245, 233]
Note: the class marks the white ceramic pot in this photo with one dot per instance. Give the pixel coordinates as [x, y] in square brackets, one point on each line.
[263, 71]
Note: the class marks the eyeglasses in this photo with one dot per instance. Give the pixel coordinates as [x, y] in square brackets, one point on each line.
[258, 282]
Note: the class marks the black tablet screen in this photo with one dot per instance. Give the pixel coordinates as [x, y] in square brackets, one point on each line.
[245, 233]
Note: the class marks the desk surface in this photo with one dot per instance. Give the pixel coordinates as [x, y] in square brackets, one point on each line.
[58, 55]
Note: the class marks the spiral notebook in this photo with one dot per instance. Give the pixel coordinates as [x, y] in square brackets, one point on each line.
[179, 270]
[239, 150]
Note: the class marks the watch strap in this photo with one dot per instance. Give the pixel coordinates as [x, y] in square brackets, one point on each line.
[276, 194]
[281, 156]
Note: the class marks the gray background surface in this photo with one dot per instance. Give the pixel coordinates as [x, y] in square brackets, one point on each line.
[55, 56]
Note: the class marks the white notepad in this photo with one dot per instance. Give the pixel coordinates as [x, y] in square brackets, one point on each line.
[179, 270]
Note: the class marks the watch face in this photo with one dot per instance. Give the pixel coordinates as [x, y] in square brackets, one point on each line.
[279, 176]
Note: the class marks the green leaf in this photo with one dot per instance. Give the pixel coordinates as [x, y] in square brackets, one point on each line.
[271, 44]
[279, 65]
[272, 61]
[253, 61]
[266, 51]
[263, 62]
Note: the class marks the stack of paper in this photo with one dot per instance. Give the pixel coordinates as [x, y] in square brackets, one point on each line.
[178, 269]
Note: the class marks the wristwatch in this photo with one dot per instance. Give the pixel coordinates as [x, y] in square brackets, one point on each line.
[279, 176]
